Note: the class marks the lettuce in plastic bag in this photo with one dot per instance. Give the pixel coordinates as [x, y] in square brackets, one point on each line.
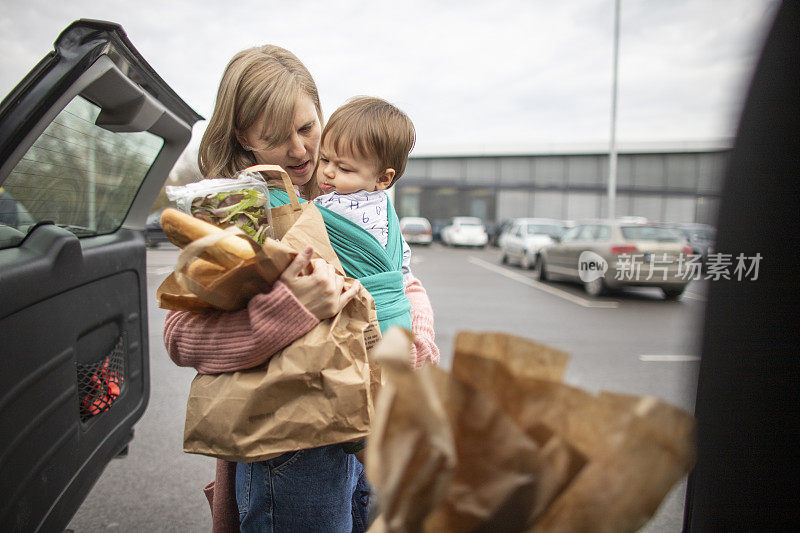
[242, 201]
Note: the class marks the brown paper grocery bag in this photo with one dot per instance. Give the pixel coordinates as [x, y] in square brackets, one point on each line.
[296, 225]
[642, 448]
[316, 391]
[227, 289]
[171, 296]
[410, 454]
[568, 461]
[498, 471]
[444, 457]
[319, 390]
[628, 451]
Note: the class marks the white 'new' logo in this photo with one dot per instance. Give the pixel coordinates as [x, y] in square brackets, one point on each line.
[591, 266]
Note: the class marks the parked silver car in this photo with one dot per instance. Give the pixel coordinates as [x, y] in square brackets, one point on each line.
[611, 254]
[465, 231]
[416, 230]
[521, 242]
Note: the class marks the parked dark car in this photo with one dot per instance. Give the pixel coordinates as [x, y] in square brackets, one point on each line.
[73, 289]
[436, 228]
[153, 234]
[700, 237]
[12, 213]
[497, 230]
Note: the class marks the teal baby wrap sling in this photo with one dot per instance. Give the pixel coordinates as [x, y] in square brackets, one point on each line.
[363, 258]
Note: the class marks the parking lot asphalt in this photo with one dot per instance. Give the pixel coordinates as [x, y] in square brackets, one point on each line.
[610, 338]
[633, 342]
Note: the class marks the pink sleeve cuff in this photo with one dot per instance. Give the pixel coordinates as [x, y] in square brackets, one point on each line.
[219, 341]
[424, 347]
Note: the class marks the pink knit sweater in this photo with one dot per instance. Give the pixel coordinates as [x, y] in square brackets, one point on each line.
[219, 342]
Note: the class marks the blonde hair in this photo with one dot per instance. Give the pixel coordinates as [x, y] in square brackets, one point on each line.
[264, 81]
[370, 127]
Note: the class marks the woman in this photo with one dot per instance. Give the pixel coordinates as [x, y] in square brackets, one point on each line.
[268, 111]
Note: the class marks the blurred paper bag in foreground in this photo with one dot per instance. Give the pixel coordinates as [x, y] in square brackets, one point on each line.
[411, 450]
[531, 453]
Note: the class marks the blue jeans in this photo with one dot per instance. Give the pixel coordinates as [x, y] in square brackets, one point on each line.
[321, 489]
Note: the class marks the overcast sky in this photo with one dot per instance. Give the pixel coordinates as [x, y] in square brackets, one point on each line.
[475, 77]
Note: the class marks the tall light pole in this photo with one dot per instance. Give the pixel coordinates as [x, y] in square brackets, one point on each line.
[612, 149]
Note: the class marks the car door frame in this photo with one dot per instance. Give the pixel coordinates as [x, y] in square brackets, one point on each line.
[69, 303]
[514, 242]
[558, 254]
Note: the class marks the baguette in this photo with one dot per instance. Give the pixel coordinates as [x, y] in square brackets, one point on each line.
[200, 269]
[181, 229]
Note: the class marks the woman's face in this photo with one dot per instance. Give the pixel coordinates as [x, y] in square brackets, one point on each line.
[298, 155]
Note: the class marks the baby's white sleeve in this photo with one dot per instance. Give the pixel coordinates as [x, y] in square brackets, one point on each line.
[406, 262]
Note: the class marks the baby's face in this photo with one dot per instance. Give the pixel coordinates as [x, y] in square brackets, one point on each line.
[346, 173]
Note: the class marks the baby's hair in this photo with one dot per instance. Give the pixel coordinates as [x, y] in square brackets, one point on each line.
[370, 127]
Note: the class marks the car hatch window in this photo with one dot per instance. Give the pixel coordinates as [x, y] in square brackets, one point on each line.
[700, 235]
[648, 233]
[572, 233]
[77, 175]
[543, 229]
[415, 227]
[587, 233]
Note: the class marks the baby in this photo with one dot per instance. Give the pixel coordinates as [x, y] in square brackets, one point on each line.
[363, 151]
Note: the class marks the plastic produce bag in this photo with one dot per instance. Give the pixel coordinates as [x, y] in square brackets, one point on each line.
[241, 201]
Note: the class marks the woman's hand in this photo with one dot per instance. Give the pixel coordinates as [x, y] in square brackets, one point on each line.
[321, 292]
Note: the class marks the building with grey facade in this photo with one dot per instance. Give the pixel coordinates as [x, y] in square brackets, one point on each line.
[668, 185]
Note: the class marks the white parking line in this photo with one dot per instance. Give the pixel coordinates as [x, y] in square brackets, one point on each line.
[159, 271]
[669, 358]
[542, 287]
[694, 296]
